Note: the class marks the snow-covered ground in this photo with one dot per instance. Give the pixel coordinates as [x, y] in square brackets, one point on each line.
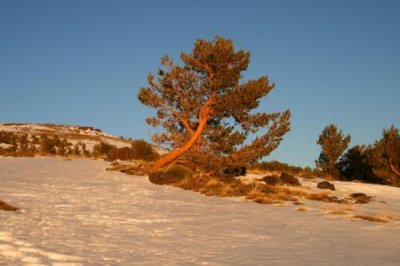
[73, 212]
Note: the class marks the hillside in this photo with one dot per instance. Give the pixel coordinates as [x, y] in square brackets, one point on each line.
[27, 140]
[75, 134]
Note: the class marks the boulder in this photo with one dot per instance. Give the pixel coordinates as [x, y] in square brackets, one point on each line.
[325, 185]
[360, 198]
[232, 171]
[284, 179]
[272, 180]
[289, 180]
[7, 207]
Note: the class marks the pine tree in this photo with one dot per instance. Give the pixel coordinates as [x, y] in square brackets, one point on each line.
[333, 144]
[386, 161]
[355, 164]
[207, 112]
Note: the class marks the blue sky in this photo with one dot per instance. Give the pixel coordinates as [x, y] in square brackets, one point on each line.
[83, 62]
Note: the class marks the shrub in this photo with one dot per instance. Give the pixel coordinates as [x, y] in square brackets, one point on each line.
[124, 154]
[7, 137]
[47, 145]
[172, 175]
[143, 151]
[102, 148]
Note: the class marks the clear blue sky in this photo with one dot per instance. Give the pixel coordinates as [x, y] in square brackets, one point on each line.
[82, 62]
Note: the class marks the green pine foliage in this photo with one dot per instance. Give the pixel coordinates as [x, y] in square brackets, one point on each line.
[356, 165]
[333, 144]
[386, 160]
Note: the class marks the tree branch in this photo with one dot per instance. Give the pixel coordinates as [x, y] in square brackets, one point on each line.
[394, 168]
[180, 118]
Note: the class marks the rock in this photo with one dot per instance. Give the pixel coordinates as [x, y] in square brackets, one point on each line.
[325, 185]
[7, 207]
[358, 195]
[360, 198]
[233, 171]
[272, 180]
[289, 180]
[282, 180]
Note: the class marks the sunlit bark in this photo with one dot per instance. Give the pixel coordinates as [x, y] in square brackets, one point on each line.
[204, 115]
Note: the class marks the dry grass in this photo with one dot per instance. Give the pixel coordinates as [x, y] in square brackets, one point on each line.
[140, 169]
[274, 194]
[215, 187]
[325, 197]
[259, 194]
[340, 211]
[372, 218]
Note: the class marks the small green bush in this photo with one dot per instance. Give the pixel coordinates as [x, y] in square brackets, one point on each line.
[102, 148]
[143, 151]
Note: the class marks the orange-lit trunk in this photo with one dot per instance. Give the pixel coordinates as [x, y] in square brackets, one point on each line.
[173, 155]
[394, 169]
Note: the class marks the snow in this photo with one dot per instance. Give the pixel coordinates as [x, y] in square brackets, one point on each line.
[5, 146]
[23, 128]
[73, 212]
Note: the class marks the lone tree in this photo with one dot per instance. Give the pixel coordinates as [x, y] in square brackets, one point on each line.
[333, 144]
[207, 113]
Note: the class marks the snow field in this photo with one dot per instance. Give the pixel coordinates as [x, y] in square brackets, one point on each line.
[73, 212]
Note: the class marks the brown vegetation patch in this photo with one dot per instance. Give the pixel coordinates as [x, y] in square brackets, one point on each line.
[172, 175]
[340, 211]
[7, 207]
[140, 168]
[360, 198]
[325, 197]
[372, 218]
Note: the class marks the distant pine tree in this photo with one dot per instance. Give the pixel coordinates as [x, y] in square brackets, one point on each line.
[333, 144]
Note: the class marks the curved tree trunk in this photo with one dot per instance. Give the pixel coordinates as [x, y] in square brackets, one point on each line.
[173, 155]
[394, 169]
[204, 115]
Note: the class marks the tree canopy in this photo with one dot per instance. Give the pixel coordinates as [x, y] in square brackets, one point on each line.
[333, 144]
[207, 112]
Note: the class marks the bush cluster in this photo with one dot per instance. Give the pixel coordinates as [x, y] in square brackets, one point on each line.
[375, 163]
[139, 150]
[12, 144]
